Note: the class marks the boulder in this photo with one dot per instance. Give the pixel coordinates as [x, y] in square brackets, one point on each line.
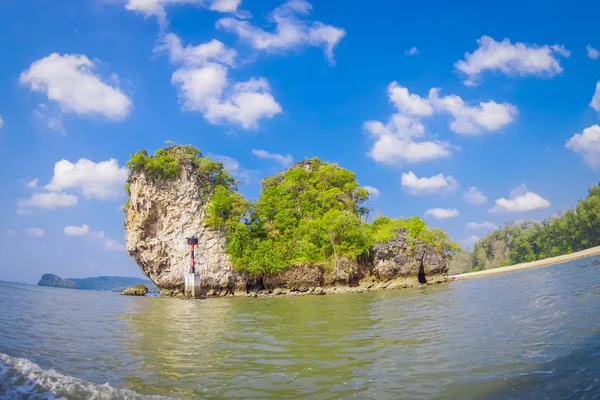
[139, 290]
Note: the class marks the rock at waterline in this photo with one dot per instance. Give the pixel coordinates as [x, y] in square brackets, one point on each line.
[139, 290]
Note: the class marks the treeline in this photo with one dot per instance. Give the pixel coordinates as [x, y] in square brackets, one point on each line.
[569, 231]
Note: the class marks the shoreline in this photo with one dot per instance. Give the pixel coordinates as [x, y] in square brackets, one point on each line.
[593, 251]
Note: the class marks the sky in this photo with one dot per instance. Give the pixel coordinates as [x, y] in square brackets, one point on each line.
[464, 113]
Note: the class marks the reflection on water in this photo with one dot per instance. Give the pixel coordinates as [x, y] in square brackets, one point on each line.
[531, 334]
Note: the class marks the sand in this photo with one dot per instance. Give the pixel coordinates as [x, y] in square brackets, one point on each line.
[529, 265]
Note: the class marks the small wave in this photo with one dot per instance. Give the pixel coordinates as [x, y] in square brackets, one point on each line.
[23, 379]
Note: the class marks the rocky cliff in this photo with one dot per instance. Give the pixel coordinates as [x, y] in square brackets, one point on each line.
[169, 204]
[160, 215]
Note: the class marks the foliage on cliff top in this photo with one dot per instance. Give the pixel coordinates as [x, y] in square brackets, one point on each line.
[313, 212]
[169, 162]
[573, 230]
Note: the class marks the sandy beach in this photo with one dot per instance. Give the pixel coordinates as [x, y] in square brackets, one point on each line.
[529, 265]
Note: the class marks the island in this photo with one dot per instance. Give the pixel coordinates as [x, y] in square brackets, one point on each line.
[309, 232]
[103, 283]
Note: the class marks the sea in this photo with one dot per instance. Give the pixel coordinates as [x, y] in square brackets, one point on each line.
[531, 334]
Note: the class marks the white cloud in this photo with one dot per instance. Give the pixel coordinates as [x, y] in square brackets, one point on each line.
[426, 186]
[592, 52]
[101, 180]
[413, 51]
[373, 191]
[69, 80]
[233, 166]
[482, 225]
[77, 230]
[470, 241]
[290, 31]
[10, 232]
[48, 201]
[474, 196]
[32, 184]
[595, 104]
[113, 245]
[468, 120]
[203, 85]
[1, 121]
[84, 230]
[442, 213]
[587, 144]
[35, 232]
[408, 103]
[511, 59]
[285, 161]
[396, 140]
[211, 51]
[156, 8]
[520, 200]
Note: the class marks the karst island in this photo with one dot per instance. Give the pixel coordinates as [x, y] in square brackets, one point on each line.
[309, 231]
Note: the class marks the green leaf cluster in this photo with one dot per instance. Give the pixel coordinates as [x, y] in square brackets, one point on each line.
[311, 213]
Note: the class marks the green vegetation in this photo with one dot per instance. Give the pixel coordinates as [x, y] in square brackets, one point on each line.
[311, 213]
[105, 283]
[573, 230]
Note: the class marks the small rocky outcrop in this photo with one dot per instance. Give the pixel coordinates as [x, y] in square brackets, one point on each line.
[139, 290]
[398, 257]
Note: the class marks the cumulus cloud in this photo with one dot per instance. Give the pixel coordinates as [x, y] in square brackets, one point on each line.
[474, 196]
[290, 32]
[47, 201]
[400, 140]
[426, 186]
[203, 85]
[32, 184]
[442, 213]
[413, 51]
[34, 232]
[488, 226]
[511, 59]
[77, 230]
[108, 244]
[70, 81]
[407, 103]
[587, 145]
[473, 120]
[373, 191]
[592, 52]
[103, 180]
[1, 121]
[520, 200]
[595, 104]
[156, 8]
[285, 161]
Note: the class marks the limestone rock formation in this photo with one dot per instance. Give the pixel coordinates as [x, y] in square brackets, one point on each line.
[139, 290]
[160, 215]
[399, 258]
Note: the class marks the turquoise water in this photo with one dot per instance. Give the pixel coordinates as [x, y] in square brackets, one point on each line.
[526, 335]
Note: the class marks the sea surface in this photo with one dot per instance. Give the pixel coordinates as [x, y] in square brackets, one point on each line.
[526, 335]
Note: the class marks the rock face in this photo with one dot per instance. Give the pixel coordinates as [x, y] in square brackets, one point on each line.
[398, 257]
[139, 290]
[161, 214]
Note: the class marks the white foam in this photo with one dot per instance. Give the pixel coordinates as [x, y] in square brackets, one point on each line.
[21, 378]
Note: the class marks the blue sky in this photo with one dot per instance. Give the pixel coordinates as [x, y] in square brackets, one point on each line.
[513, 111]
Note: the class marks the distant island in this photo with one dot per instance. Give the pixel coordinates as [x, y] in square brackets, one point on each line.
[104, 283]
